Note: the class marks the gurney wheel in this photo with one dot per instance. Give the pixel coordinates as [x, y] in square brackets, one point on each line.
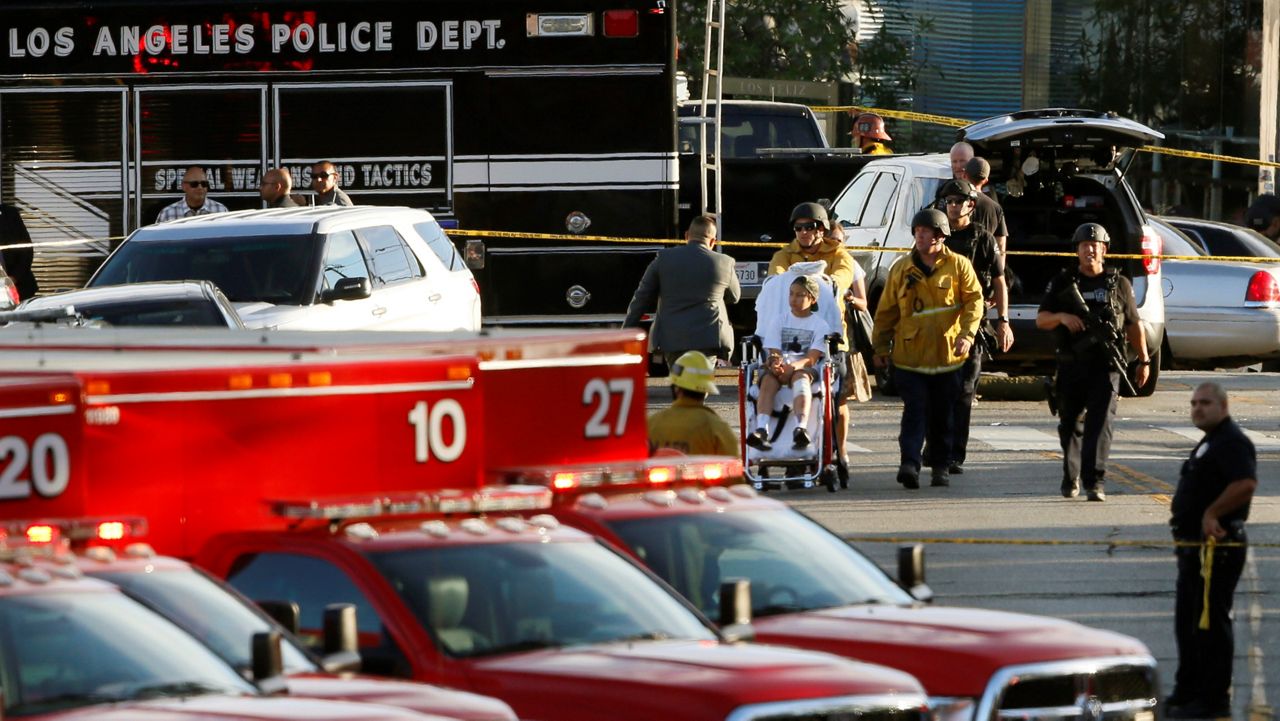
[829, 478]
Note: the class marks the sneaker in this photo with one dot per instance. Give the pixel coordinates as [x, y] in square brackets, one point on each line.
[1070, 489]
[941, 478]
[1096, 493]
[800, 439]
[909, 477]
[759, 440]
[956, 467]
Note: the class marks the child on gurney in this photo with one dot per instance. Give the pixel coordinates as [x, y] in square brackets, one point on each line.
[793, 347]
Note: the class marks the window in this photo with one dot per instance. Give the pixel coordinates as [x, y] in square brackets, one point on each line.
[314, 583]
[390, 259]
[850, 205]
[342, 259]
[880, 204]
[440, 244]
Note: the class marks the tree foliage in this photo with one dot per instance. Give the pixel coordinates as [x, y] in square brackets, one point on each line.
[779, 39]
[1169, 63]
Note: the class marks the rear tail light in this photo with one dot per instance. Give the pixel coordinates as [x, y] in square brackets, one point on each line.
[621, 23]
[475, 285]
[1152, 247]
[10, 290]
[1263, 290]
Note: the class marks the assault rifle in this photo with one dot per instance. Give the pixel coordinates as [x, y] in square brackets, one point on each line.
[1100, 332]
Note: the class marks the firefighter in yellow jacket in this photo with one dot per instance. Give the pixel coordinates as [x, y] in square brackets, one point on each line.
[811, 225]
[687, 425]
[926, 322]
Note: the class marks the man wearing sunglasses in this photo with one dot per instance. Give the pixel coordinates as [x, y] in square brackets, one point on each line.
[195, 200]
[810, 223]
[324, 180]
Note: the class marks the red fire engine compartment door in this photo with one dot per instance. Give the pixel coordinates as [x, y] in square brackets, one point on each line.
[203, 451]
[40, 430]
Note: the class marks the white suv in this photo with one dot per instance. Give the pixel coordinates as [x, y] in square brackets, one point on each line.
[318, 268]
[1053, 170]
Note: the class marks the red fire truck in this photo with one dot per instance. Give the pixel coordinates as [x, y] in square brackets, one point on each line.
[78, 648]
[227, 624]
[340, 474]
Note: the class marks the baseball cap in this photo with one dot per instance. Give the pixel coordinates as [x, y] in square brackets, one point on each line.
[810, 285]
[977, 169]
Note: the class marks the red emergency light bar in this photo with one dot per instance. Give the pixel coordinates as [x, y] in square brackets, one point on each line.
[650, 473]
[48, 532]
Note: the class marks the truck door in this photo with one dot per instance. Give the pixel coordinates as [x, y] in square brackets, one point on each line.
[314, 581]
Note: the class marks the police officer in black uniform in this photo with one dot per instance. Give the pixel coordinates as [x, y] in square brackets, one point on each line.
[1212, 502]
[975, 242]
[1089, 308]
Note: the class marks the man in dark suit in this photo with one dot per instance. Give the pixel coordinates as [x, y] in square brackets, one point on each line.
[17, 261]
[689, 285]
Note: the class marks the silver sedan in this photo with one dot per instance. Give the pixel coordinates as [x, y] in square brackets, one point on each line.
[1218, 314]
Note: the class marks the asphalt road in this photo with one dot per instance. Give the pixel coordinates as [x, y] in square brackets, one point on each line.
[1002, 537]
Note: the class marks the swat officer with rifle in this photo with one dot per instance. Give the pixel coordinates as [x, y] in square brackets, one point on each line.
[1091, 311]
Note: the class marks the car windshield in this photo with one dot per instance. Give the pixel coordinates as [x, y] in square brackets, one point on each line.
[281, 270]
[64, 650]
[486, 599]
[211, 613]
[793, 563]
[153, 311]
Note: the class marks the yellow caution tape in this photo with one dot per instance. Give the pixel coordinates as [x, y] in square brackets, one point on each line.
[554, 236]
[1206, 572]
[622, 240]
[960, 123]
[1051, 542]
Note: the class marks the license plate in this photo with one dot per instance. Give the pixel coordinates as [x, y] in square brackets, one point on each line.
[749, 273]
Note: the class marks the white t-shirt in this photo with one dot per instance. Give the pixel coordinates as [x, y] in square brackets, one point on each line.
[798, 336]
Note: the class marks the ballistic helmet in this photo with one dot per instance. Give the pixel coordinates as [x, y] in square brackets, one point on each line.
[1263, 211]
[693, 371]
[932, 218]
[870, 125]
[1091, 232]
[811, 210]
[958, 186]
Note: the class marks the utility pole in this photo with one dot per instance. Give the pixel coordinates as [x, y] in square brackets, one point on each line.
[1268, 122]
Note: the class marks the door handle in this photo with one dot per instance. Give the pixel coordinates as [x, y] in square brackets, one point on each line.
[380, 310]
[434, 297]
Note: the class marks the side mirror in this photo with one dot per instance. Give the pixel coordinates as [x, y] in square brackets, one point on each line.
[268, 662]
[285, 613]
[911, 572]
[341, 641]
[348, 289]
[735, 610]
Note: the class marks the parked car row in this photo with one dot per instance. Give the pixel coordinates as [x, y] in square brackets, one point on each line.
[1056, 169]
[1218, 313]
